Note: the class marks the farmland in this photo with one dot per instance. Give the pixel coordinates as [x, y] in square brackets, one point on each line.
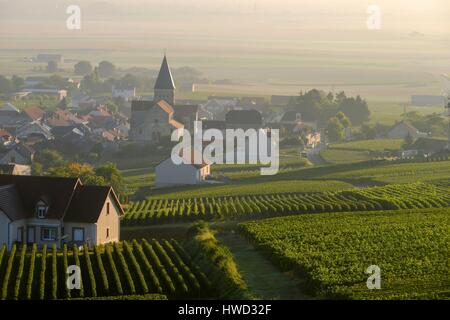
[128, 268]
[411, 196]
[333, 251]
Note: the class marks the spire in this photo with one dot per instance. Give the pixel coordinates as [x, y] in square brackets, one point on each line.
[164, 80]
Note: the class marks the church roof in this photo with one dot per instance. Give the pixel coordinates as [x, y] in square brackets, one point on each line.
[164, 80]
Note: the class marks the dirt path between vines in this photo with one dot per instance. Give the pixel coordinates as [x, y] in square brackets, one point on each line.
[264, 280]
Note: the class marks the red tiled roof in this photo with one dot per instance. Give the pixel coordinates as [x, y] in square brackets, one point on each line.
[34, 113]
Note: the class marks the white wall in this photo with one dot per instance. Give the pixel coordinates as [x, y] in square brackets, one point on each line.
[169, 174]
[4, 221]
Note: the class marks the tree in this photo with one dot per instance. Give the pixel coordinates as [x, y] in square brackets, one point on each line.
[63, 104]
[335, 130]
[5, 85]
[85, 172]
[355, 108]
[49, 158]
[52, 66]
[111, 175]
[344, 120]
[17, 82]
[106, 69]
[83, 68]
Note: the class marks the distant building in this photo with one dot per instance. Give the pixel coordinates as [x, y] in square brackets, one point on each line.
[168, 174]
[33, 113]
[127, 93]
[402, 129]
[430, 145]
[47, 211]
[19, 154]
[59, 94]
[154, 119]
[427, 100]
[48, 57]
[15, 169]
[243, 119]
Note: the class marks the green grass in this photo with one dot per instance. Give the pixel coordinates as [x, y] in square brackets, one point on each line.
[397, 173]
[379, 145]
[337, 156]
[334, 250]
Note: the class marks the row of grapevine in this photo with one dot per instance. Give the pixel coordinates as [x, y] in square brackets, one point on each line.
[121, 268]
[391, 197]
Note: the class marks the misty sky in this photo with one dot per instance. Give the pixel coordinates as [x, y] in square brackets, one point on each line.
[430, 16]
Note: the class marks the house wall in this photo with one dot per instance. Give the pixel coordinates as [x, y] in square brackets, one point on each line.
[38, 224]
[145, 123]
[111, 221]
[168, 174]
[4, 222]
[90, 236]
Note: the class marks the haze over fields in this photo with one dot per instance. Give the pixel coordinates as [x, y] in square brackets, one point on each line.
[281, 46]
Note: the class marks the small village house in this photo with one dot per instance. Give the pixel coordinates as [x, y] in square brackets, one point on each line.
[51, 210]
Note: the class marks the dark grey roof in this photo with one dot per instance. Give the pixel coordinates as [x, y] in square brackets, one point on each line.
[164, 80]
[243, 117]
[10, 202]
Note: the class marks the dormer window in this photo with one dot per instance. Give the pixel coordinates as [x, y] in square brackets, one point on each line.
[41, 209]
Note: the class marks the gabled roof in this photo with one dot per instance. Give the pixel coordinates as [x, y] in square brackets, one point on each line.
[9, 107]
[67, 198]
[34, 113]
[243, 117]
[430, 144]
[407, 125]
[10, 203]
[87, 203]
[165, 106]
[164, 80]
[55, 192]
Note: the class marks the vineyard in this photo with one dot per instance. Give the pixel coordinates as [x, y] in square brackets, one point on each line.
[391, 197]
[119, 269]
[333, 250]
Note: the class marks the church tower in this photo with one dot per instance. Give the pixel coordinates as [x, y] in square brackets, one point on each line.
[164, 86]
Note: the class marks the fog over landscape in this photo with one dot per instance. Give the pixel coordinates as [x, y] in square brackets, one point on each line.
[291, 42]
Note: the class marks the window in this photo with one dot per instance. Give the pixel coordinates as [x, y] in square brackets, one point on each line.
[107, 232]
[78, 234]
[41, 209]
[48, 234]
[107, 208]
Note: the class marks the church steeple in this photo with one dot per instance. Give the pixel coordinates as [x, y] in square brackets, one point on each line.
[164, 86]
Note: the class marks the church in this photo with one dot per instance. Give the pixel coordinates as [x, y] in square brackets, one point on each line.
[153, 120]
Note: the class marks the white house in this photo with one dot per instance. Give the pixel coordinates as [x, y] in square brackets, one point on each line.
[169, 174]
[402, 129]
[127, 93]
[48, 210]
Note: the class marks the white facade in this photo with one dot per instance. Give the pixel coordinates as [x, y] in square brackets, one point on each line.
[169, 174]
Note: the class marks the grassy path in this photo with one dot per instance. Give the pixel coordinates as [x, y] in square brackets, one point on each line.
[264, 280]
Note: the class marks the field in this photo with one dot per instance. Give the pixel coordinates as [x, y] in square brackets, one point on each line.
[337, 156]
[132, 268]
[390, 197]
[334, 250]
[379, 145]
